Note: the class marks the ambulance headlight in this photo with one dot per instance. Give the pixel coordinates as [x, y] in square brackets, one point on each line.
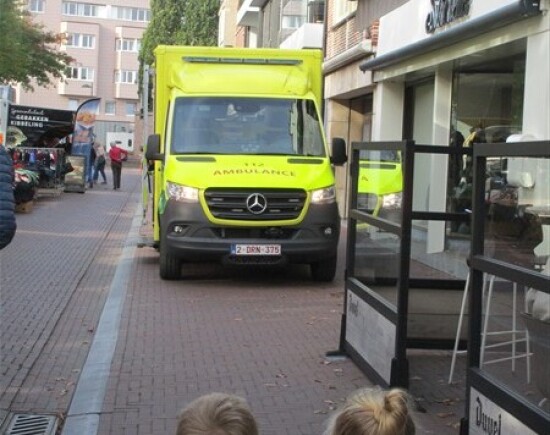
[181, 193]
[324, 196]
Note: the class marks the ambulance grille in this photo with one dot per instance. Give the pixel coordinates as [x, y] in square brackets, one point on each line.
[255, 204]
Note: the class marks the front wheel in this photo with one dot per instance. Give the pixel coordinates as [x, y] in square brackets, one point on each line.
[170, 265]
[323, 270]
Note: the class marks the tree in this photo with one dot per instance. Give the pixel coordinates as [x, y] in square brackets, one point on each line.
[28, 53]
[200, 23]
[178, 22]
[166, 19]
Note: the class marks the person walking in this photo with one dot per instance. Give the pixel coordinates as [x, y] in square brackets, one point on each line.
[117, 155]
[7, 201]
[90, 168]
[99, 166]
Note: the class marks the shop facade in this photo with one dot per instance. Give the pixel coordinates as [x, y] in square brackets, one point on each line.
[471, 79]
[483, 66]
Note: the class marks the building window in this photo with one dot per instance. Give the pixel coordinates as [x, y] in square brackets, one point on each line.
[316, 11]
[292, 21]
[126, 76]
[80, 40]
[130, 14]
[80, 9]
[73, 104]
[128, 44]
[80, 73]
[37, 6]
[130, 109]
[342, 8]
[110, 108]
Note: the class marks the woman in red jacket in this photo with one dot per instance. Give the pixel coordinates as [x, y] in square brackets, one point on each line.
[117, 155]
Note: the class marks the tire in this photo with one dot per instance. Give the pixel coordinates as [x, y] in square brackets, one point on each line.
[170, 265]
[324, 270]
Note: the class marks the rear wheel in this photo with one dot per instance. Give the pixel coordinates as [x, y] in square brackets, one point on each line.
[323, 270]
[170, 265]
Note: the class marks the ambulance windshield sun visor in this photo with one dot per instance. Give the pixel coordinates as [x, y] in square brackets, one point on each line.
[249, 126]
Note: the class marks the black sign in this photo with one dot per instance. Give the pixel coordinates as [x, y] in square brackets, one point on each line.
[446, 11]
[489, 424]
[37, 126]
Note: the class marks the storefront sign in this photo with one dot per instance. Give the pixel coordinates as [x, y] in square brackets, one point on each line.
[488, 418]
[445, 12]
[30, 126]
[370, 334]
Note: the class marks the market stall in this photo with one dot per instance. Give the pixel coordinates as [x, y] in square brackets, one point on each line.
[34, 137]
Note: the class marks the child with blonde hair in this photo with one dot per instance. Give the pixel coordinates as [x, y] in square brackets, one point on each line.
[217, 414]
[372, 411]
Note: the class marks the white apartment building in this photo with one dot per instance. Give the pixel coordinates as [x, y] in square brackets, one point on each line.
[103, 37]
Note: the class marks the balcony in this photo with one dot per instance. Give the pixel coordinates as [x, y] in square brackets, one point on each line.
[248, 15]
[309, 35]
[126, 91]
[76, 88]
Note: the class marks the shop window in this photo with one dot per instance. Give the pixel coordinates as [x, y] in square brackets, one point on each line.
[487, 107]
[492, 102]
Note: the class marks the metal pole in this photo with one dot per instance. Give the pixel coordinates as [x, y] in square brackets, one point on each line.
[145, 182]
[145, 103]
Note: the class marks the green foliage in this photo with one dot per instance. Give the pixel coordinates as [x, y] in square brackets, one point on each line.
[178, 22]
[201, 28]
[27, 52]
[166, 19]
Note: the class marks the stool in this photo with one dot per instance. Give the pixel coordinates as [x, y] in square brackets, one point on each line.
[514, 332]
[539, 334]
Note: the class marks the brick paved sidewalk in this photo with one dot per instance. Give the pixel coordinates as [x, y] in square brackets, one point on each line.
[262, 334]
[54, 278]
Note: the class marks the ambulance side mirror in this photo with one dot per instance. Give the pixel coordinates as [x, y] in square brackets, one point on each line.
[338, 152]
[152, 152]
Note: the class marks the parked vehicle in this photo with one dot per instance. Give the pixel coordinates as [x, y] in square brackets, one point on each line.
[242, 173]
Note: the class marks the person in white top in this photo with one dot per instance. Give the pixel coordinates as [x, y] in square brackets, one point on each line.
[99, 165]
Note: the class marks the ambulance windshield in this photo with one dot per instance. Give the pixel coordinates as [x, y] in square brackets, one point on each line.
[233, 125]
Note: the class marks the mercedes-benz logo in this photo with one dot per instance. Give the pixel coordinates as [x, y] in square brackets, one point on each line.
[256, 203]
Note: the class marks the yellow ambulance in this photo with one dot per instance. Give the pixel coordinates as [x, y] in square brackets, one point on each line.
[242, 172]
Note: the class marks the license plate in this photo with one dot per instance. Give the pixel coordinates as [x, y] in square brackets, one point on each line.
[239, 249]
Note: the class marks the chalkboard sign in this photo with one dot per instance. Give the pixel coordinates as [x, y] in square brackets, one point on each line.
[371, 335]
[75, 180]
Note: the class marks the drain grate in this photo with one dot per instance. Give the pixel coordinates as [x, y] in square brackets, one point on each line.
[32, 424]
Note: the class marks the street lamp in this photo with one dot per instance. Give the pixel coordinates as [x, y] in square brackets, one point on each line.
[89, 86]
